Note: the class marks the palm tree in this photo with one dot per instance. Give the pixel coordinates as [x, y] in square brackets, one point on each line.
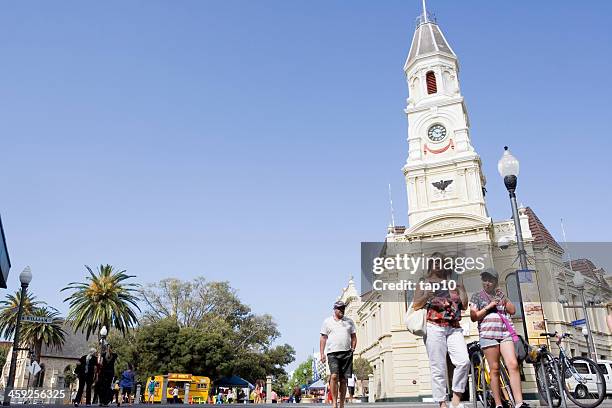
[50, 334]
[104, 299]
[8, 311]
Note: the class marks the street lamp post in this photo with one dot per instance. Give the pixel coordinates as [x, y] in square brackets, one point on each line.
[579, 282]
[25, 277]
[594, 304]
[508, 167]
[103, 343]
[585, 333]
[31, 351]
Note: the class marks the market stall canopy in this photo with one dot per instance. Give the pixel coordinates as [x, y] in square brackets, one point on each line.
[318, 385]
[233, 382]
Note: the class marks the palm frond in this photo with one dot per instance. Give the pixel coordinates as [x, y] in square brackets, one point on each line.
[50, 334]
[9, 308]
[104, 299]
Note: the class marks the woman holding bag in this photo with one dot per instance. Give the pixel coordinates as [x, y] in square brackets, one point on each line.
[492, 310]
[443, 334]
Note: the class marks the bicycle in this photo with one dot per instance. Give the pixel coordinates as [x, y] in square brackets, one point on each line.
[578, 378]
[481, 380]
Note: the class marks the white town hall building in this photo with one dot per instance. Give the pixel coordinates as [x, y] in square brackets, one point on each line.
[440, 150]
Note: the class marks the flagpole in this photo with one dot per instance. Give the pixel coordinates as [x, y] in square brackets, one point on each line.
[391, 204]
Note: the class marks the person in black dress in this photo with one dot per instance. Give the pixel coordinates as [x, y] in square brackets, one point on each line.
[85, 370]
[106, 375]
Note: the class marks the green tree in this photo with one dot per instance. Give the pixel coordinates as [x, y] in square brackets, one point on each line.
[255, 332]
[163, 347]
[207, 306]
[9, 308]
[33, 334]
[126, 351]
[198, 303]
[276, 358]
[210, 352]
[253, 365]
[37, 334]
[362, 368]
[202, 327]
[280, 384]
[149, 348]
[214, 310]
[302, 374]
[170, 299]
[104, 299]
[70, 377]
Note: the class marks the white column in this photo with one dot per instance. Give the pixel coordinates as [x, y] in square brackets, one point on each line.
[186, 397]
[268, 389]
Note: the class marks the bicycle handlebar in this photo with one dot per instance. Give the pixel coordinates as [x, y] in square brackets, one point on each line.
[555, 334]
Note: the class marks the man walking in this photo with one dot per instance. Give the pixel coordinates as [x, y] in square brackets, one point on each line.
[337, 344]
[85, 371]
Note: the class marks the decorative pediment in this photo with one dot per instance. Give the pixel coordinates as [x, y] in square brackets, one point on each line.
[450, 223]
[504, 228]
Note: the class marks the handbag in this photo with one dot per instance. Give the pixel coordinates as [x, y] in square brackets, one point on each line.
[521, 347]
[416, 320]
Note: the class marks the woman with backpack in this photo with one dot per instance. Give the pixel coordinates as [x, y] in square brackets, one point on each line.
[151, 389]
[492, 310]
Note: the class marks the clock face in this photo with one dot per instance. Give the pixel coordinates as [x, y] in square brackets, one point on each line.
[436, 133]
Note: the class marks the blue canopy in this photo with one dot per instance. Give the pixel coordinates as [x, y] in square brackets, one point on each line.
[317, 385]
[233, 382]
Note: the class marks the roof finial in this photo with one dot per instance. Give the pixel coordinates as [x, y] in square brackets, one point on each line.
[424, 12]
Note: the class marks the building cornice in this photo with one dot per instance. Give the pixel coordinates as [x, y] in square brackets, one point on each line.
[458, 160]
[434, 102]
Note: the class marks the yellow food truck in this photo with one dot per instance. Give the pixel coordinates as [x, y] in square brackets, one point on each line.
[198, 387]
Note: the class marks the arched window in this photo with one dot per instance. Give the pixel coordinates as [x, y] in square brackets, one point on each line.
[432, 87]
[39, 381]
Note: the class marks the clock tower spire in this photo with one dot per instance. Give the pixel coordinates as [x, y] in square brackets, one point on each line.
[443, 172]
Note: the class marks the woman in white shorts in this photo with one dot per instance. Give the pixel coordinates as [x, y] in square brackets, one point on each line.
[492, 310]
[444, 335]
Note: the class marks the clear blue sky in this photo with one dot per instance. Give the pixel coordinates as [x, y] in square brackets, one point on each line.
[253, 141]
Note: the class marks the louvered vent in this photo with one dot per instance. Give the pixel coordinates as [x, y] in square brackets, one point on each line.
[432, 88]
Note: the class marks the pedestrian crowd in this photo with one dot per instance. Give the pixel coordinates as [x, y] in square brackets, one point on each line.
[444, 337]
[226, 396]
[95, 372]
[442, 334]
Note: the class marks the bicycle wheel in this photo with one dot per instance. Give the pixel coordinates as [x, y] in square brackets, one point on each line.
[505, 386]
[481, 392]
[547, 379]
[584, 382]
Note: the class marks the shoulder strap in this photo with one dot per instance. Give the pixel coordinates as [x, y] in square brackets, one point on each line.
[505, 320]
[509, 327]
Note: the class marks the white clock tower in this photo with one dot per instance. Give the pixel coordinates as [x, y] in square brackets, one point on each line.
[443, 172]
